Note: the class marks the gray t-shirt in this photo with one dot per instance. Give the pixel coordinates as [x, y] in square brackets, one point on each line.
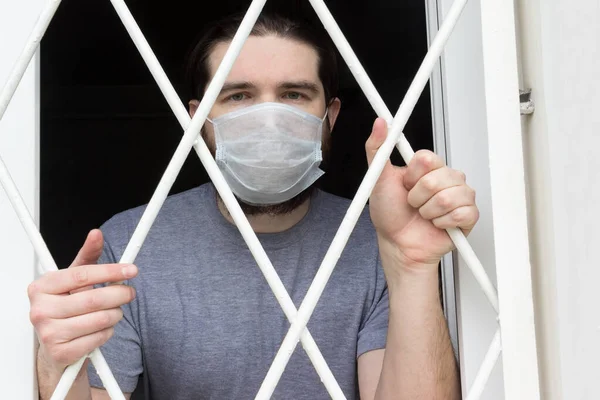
[205, 324]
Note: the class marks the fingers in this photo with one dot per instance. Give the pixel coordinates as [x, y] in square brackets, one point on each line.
[91, 250]
[434, 183]
[48, 307]
[65, 330]
[440, 193]
[447, 200]
[71, 325]
[67, 280]
[423, 162]
[68, 353]
[462, 217]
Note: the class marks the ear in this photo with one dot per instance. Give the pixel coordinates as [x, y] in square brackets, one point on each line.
[334, 111]
[193, 106]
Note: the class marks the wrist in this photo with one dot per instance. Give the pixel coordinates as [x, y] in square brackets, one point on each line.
[399, 268]
[47, 365]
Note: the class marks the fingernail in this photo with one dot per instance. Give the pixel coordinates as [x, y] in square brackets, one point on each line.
[129, 271]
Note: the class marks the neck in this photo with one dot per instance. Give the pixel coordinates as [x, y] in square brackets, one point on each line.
[270, 223]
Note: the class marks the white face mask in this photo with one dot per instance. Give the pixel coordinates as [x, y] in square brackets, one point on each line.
[269, 152]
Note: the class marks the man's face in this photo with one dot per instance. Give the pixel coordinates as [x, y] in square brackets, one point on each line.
[270, 69]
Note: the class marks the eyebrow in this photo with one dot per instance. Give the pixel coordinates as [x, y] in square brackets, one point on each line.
[245, 85]
[305, 85]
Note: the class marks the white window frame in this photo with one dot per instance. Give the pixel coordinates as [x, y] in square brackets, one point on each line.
[501, 238]
[19, 141]
[483, 138]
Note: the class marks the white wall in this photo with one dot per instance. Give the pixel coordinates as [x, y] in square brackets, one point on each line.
[18, 148]
[560, 55]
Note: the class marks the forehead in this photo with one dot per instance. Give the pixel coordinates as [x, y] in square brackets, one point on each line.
[269, 59]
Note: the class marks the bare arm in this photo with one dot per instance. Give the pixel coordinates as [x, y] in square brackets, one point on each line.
[418, 362]
[410, 208]
[48, 378]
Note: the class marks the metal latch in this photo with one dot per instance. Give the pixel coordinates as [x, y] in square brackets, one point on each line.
[527, 106]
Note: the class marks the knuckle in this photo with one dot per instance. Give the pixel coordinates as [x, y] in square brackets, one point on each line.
[92, 302]
[458, 215]
[425, 157]
[32, 289]
[429, 183]
[460, 175]
[47, 336]
[105, 319]
[80, 275]
[37, 314]
[444, 200]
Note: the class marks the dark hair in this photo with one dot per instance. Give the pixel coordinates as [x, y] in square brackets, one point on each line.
[198, 70]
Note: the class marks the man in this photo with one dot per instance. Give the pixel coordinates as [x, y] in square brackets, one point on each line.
[199, 320]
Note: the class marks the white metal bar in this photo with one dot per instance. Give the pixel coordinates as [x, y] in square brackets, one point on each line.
[355, 66]
[360, 200]
[186, 143]
[24, 59]
[66, 381]
[509, 200]
[47, 263]
[229, 199]
[191, 134]
[365, 83]
[106, 376]
[489, 361]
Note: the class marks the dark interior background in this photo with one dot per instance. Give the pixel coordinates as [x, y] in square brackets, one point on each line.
[107, 134]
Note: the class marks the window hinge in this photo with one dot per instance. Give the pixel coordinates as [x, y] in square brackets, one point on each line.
[527, 106]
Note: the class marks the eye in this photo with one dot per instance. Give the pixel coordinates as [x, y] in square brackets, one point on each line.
[293, 96]
[237, 97]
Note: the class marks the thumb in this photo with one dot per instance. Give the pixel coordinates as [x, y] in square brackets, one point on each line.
[91, 250]
[378, 135]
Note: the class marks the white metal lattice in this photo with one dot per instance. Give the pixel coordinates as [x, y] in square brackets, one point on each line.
[298, 318]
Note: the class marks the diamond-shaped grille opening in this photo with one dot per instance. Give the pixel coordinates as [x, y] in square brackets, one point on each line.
[300, 317]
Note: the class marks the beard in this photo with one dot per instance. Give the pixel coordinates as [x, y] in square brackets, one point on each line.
[287, 206]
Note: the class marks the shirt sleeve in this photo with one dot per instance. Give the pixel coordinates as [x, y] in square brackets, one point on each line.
[373, 331]
[123, 351]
